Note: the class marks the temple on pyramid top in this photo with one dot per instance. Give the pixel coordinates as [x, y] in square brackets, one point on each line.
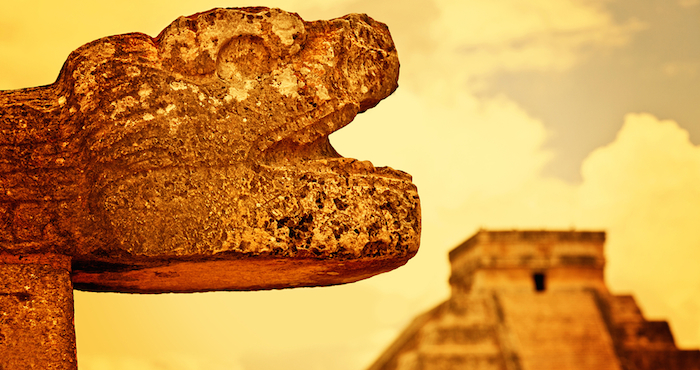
[529, 261]
[534, 300]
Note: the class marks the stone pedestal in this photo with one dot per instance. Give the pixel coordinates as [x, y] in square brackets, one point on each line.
[36, 313]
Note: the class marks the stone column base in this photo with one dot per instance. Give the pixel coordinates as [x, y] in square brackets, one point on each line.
[36, 313]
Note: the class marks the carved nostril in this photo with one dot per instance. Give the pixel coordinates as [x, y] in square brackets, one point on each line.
[371, 33]
[244, 57]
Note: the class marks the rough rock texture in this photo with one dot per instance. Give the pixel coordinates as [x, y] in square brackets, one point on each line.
[36, 313]
[199, 159]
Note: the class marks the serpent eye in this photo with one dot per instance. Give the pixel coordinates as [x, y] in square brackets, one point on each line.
[244, 58]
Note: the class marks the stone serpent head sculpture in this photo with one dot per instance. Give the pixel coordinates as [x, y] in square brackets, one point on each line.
[199, 160]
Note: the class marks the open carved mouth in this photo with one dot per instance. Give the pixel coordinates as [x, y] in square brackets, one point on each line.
[310, 147]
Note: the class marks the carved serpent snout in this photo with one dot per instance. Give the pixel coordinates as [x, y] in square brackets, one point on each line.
[208, 143]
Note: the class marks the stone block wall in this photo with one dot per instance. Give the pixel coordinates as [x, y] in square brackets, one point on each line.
[534, 300]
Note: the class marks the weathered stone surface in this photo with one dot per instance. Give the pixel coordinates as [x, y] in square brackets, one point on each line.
[199, 159]
[36, 313]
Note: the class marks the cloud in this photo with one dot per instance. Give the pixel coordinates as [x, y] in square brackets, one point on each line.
[504, 22]
[644, 188]
[477, 39]
[456, 149]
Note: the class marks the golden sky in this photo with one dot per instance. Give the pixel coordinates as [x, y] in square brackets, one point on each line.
[510, 114]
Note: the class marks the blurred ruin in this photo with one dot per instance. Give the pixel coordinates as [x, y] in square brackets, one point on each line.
[534, 300]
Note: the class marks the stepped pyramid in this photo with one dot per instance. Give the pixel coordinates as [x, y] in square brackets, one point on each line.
[534, 300]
